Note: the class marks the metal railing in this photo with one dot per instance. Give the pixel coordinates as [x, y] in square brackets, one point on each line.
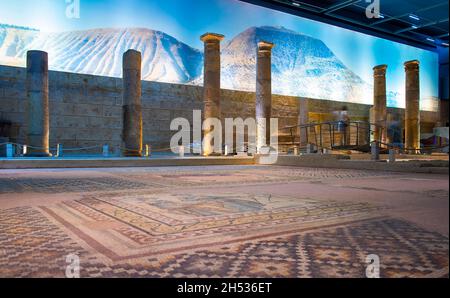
[356, 135]
[16, 150]
[21, 150]
[334, 134]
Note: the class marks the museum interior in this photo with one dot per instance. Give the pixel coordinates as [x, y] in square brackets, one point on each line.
[224, 139]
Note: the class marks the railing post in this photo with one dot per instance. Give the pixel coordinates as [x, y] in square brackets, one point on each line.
[307, 135]
[391, 155]
[375, 150]
[333, 136]
[330, 131]
[59, 150]
[346, 133]
[357, 133]
[9, 151]
[321, 137]
[181, 151]
[292, 136]
[105, 150]
[315, 135]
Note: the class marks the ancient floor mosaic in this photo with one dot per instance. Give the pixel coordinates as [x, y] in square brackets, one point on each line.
[157, 178]
[129, 224]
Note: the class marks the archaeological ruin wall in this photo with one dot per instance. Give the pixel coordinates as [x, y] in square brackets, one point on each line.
[86, 110]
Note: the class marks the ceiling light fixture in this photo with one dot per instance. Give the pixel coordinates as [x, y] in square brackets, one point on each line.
[414, 17]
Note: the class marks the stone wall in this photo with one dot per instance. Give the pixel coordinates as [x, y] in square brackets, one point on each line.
[86, 110]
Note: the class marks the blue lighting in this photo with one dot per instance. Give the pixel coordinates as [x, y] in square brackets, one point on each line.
[414, 17]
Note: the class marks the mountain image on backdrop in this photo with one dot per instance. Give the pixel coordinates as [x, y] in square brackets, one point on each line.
[301, 65]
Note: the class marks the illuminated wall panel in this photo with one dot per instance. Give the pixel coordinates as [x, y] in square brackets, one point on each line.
[310, 59]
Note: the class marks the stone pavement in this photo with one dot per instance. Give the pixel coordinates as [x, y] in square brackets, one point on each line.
[222, 221]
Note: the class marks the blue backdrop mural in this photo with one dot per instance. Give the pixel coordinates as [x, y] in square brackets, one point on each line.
[310, 59]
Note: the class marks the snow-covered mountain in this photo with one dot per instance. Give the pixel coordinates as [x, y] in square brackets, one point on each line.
[99, 52]
[301, 66]
[14, 39]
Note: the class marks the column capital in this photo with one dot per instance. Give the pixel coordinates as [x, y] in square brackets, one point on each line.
[212, 37]
[33, 53]
[37, 61]
[265, 46]
[380, 70]
[412, 65]
[132, 59]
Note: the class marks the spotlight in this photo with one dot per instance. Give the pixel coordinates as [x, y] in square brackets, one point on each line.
[414, 27]
[430, 39]
[296, 4]
[414, 17]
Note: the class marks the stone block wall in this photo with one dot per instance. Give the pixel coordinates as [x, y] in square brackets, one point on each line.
[86, 110]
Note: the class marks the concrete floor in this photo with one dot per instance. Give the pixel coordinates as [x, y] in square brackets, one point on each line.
[223, 221]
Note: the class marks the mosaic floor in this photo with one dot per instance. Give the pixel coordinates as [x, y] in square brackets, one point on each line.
[212, 222]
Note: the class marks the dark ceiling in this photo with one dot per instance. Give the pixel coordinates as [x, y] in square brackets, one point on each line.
[422, 23]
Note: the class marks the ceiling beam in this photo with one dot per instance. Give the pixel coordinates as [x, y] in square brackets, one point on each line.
[441, 36]
[421, 40]
[390, 18]
[303, 5]
[340, 21]
[421, 26]
[378, 22]
[339, 6]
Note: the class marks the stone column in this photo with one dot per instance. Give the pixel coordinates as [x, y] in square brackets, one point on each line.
[263, 106]
[132, 107]
[412, 111]
[303, 118]
[211, 83]
[379, 102]
[37, 114]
